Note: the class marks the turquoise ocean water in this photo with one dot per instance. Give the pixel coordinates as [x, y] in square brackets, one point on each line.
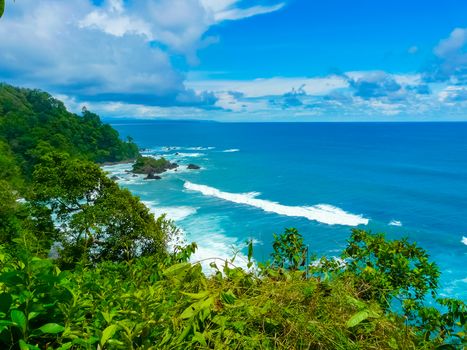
[407, 179]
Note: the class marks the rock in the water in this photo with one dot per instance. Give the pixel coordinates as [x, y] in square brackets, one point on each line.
[134, 175]
[193, 167]
[115, 178]
[152, 176]
[149, 165]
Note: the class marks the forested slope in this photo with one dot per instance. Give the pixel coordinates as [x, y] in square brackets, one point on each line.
[33, 122]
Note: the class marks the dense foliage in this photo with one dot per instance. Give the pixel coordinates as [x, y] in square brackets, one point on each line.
[32, 123]
[85, 265]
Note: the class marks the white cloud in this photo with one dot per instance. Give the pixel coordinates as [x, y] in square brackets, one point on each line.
[451, 64]
[112, 20]
[238, 13]
[456, 40]
[120, 51]
[272, 86]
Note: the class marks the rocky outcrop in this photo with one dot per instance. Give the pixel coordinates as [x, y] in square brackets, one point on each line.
[193, 167]
[149, 165]
[152, 176]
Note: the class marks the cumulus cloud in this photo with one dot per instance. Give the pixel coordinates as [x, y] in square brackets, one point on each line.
[116, 51]
[117, 58]
[375, 84]
[272, 86]
[453, 94]
[451, 62]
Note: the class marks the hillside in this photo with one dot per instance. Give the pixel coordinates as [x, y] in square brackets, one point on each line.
[32, 122]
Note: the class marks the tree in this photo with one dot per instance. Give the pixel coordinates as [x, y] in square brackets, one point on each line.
[98, 220]
[289, 250]
[390, 269]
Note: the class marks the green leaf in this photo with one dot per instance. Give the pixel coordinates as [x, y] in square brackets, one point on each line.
[25, 346]
[355, 302]
[2, 7]
[19, 318]
[51, 328]
[108, 333]
[357, 318]
[22, 344]
[199, 295]
[199, 337]
[176, 269]
[228, 297]
[189, 311]
[393, 344]
[32, 315]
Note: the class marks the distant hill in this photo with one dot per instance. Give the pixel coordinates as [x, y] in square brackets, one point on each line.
[32, 121]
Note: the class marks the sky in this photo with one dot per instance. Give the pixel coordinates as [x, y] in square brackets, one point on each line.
[238, 60]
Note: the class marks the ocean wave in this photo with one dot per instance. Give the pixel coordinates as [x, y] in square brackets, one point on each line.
[179, 148]
[214, 245]
[231, 150]
[324, 213]
[464, 240]
[194, 155]
[200, 148]
[395, 223]
[172, 213]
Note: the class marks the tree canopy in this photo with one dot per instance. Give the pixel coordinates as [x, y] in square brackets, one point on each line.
[32, 122]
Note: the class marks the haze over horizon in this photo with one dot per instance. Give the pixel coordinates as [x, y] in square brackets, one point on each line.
[234, 60]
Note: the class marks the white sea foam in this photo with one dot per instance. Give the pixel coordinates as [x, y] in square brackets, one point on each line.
[178, 148]
[194, 155]
[464, 240]
[324, 213]
[172, 213]
[199, 148]
[231, 150]
[217, 248]
[395, 223]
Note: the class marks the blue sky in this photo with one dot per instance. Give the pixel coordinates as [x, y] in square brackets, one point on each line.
[234, 60]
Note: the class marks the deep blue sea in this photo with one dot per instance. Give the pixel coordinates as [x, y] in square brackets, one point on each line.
[404, 179]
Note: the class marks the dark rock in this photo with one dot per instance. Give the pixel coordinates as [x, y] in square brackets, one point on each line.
[149, 165]
[115, 177]
[152, 176]
[193, 167]
[134, 175]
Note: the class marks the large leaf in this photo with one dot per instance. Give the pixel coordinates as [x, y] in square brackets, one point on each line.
[200, 295]
[177, 269]
[357, 318]
[108, 333]
[2, 7]
[194, 308]
[51, 328]
[19, 318]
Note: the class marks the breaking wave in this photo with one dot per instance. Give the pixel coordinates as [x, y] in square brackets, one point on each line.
[324, 213]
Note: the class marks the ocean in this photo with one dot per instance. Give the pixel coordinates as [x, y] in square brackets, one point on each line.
[403, 179]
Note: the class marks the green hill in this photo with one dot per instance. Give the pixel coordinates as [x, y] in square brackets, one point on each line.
[33, 122]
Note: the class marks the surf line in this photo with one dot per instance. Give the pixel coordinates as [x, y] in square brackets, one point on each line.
[323, 213]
